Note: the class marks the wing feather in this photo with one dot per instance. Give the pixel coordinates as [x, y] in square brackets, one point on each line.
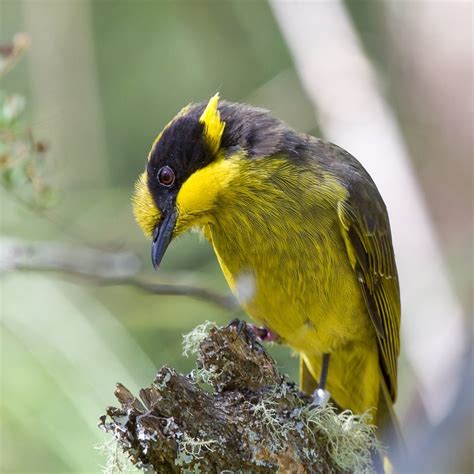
[366, 232]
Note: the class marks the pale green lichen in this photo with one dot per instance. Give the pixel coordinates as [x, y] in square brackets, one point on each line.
[202, 375]
[266, 411]
[350, 438]
[161, 385]
[190, 449]
[116, 461]
[193, 339]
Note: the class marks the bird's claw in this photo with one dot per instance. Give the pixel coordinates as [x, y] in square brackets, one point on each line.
[247, 331]
[238, 324]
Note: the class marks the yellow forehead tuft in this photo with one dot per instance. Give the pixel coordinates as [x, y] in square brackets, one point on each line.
[213, 126]
[144, 208]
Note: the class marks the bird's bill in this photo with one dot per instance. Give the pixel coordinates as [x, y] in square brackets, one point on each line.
[162, 236]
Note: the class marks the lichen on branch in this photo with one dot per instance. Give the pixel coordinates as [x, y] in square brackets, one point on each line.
[235, 413]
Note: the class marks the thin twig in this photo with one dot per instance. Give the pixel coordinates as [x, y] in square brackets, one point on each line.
[102, 268]
[225, 302]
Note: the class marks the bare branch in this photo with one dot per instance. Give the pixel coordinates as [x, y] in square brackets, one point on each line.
[101, 268]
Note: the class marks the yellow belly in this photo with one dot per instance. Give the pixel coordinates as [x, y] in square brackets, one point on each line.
[307, 293]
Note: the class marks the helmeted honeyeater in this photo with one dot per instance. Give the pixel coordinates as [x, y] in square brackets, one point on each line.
[301, 220]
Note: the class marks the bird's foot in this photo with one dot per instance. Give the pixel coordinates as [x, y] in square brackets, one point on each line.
[248, 333]
[320, 397]
[264, 334]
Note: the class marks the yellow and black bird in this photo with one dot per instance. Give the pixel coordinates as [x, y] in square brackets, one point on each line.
[303, 222]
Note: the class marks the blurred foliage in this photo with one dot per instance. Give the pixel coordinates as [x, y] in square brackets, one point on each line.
[21, 156]
[65, 345]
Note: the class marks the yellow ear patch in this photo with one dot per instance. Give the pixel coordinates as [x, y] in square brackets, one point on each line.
[213, 126]
[198, 194]
[144, 208]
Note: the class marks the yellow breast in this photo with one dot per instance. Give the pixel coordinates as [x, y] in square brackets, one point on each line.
[280, 249]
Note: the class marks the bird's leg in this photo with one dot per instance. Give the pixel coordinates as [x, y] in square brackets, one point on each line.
[321, 396]
[261, 333]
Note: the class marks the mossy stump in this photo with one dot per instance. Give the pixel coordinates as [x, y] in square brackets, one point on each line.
[234, 413]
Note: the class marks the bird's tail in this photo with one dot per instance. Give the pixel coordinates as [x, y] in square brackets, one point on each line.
[389, 431]
[308, 384]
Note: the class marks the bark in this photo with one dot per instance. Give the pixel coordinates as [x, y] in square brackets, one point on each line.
[234, 412]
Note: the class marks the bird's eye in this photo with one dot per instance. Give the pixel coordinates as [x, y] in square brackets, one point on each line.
[166, 176]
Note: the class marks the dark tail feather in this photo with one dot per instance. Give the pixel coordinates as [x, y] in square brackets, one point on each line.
[389, 431]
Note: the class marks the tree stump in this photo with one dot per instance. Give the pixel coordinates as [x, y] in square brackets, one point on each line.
[234, 413]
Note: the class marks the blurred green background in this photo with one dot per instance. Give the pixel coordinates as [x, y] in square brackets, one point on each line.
[101, 79]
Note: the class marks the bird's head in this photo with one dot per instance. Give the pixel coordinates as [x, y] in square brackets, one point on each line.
[192, 163]
[186, 169]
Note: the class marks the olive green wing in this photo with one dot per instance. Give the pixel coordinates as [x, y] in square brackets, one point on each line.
[366, 231]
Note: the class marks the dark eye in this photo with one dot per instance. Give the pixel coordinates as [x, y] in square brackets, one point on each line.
[166, 176]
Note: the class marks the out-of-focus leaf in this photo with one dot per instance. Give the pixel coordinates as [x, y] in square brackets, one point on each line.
[12, 107]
